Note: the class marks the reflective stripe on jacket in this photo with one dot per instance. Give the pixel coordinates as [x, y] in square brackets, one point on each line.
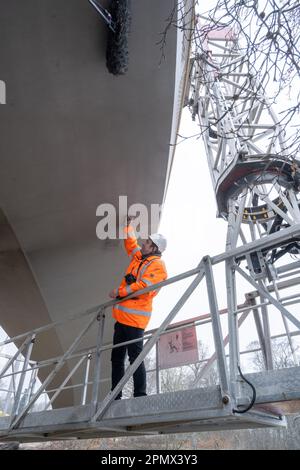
[148, 271]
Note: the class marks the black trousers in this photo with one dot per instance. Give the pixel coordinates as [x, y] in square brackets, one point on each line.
[124, 333]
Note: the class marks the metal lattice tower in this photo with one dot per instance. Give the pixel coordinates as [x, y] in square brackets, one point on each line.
[255, 179]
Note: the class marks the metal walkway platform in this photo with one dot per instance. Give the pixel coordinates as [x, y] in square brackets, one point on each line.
[236, 400]
[176, 412]
[257, 189]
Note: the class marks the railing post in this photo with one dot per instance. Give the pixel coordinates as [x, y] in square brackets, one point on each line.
[267, 332]
[157, 369]
[86, 378]
[32, 382]
[234, 355]
[217, 331]
[22, 377]
[97, 370]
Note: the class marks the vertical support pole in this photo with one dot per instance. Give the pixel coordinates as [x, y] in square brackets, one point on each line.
[235, 220]
[267, 333]
[234, 356]
[86, 379]
[32, 383]
[231, 226]
[15, 370]
[233, 231]
[157, 369]
[217, 331]
[97, 371]
[22, 377]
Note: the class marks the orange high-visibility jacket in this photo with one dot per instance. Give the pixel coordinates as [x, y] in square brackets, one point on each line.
[151, 270]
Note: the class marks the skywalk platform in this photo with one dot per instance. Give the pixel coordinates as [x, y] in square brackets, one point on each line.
[176, 412]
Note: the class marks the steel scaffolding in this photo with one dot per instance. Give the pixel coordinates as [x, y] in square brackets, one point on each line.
[256, 183]
[255, 178]
[215, 407]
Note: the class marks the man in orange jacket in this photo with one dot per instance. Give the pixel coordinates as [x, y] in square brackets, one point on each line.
[133, 315]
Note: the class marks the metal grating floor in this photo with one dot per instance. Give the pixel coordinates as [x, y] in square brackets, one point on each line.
[176, 412]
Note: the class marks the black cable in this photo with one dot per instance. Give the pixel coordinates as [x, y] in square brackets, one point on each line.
[253, 396]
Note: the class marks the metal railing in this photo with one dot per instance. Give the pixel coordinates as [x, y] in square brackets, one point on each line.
[226, 363]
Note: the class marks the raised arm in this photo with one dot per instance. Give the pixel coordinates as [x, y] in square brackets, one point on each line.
[130, 242]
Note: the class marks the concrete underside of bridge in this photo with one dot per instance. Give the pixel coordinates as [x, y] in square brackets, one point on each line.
[73, 137]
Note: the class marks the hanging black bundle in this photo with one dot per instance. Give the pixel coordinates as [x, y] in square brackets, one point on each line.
[117, 54]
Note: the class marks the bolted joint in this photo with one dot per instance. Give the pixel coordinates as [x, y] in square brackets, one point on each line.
[250, 295]
[225, 399]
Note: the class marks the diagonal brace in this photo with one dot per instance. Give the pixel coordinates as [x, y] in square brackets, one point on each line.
[150, 343]
[104, 14]
[264, 293]
[50, 377]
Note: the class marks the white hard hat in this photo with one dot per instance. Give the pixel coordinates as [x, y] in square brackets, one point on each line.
[159, 240]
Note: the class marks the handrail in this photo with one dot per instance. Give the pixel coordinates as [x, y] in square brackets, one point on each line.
[291, 232]
[203, 270]
[102, 306]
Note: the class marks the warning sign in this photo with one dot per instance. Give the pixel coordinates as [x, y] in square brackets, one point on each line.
[179, 348]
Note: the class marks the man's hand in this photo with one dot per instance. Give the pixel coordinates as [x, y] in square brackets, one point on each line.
[113, 294]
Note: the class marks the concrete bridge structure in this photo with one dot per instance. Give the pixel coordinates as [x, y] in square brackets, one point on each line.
[73, 137]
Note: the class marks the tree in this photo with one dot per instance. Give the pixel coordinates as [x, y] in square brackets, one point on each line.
[282, 355]
[268, 38]
[210, 377]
